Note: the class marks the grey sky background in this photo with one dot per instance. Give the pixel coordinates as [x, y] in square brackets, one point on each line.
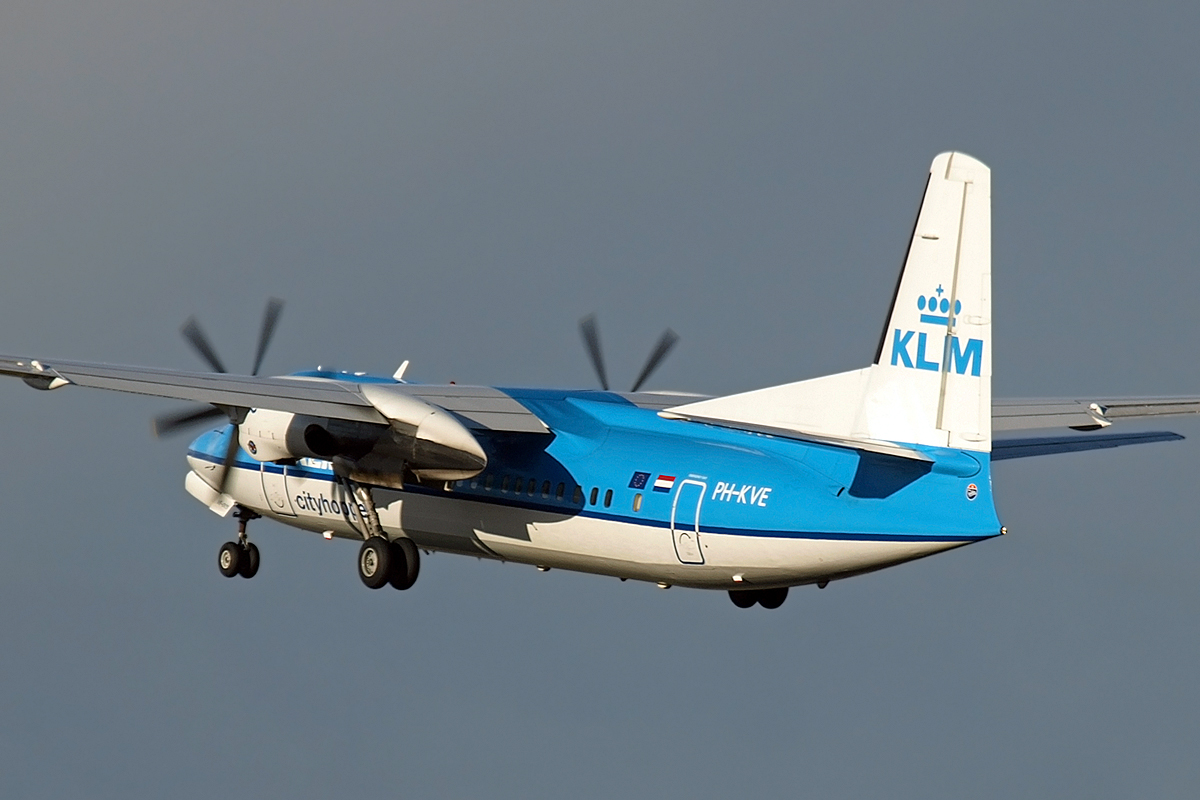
[457, 184]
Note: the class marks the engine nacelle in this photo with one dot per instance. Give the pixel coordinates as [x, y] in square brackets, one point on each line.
[432, 442]
[420, 437]
[269, 435]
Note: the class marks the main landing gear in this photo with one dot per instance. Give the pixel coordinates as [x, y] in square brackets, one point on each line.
[381, 561]
[240, 557]
[767, 598]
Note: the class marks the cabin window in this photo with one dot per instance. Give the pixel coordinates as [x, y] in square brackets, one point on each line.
[577, 498]
[637, 502]
[560, 492]
[487, 484]
[475, 483]
[545, 488]
[608, 498]
[532, 486]
[504, 483]
[520, 487]
[595, 494]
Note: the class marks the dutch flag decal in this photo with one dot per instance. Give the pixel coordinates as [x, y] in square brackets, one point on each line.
[664, 483]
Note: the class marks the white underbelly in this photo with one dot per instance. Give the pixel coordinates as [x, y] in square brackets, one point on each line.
[646, 552]
[576, 542]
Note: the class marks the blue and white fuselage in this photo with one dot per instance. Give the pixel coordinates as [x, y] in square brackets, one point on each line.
[618, 490]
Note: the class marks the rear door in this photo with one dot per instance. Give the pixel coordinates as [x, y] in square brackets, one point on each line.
[685, 521]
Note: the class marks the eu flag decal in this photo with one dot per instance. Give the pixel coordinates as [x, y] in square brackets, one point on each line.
[639, 480]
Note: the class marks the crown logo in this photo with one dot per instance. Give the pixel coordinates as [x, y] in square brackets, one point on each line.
[935, 307]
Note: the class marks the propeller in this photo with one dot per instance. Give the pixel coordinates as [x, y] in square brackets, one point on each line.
[167, 424]
[270, 320]
[192, 331]
[174, 422]
[591, 340]
[665, 343]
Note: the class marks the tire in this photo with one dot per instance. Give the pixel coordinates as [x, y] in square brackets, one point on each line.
[743, 598]
[772, 598]
[405, 564]
[374, 560]
[248, 567]
[230, 558]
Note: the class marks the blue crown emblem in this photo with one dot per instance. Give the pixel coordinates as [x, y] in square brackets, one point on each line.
[936, 308]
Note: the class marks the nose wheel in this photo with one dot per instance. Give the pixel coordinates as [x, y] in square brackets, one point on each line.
[240, 557]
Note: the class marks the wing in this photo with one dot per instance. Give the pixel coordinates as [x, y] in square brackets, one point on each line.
[478, 408]
[316, 397]
[1004, 449]
[1085, 415]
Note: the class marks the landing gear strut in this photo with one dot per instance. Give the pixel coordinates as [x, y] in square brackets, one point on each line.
[363, 495]
[381, 561]
[767, 598]
[240, 557]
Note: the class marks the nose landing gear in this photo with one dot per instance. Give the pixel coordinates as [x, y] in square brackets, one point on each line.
[240, 557]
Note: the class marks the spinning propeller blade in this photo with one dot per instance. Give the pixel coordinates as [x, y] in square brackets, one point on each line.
[230, 456]
[167, 424]
[270, 320]
[665, 343]
[591, 340]
[192, 331]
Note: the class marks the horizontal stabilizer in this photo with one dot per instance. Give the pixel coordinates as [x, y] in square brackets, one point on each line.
[866, 445]
[1049, 445]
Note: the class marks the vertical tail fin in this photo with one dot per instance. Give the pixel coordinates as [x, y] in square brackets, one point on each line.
[937, 346]
[931, 380]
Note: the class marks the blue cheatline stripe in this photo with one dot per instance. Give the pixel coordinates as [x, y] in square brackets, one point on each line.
[310, 474]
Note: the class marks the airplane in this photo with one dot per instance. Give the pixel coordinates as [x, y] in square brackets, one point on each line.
[754, 493]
